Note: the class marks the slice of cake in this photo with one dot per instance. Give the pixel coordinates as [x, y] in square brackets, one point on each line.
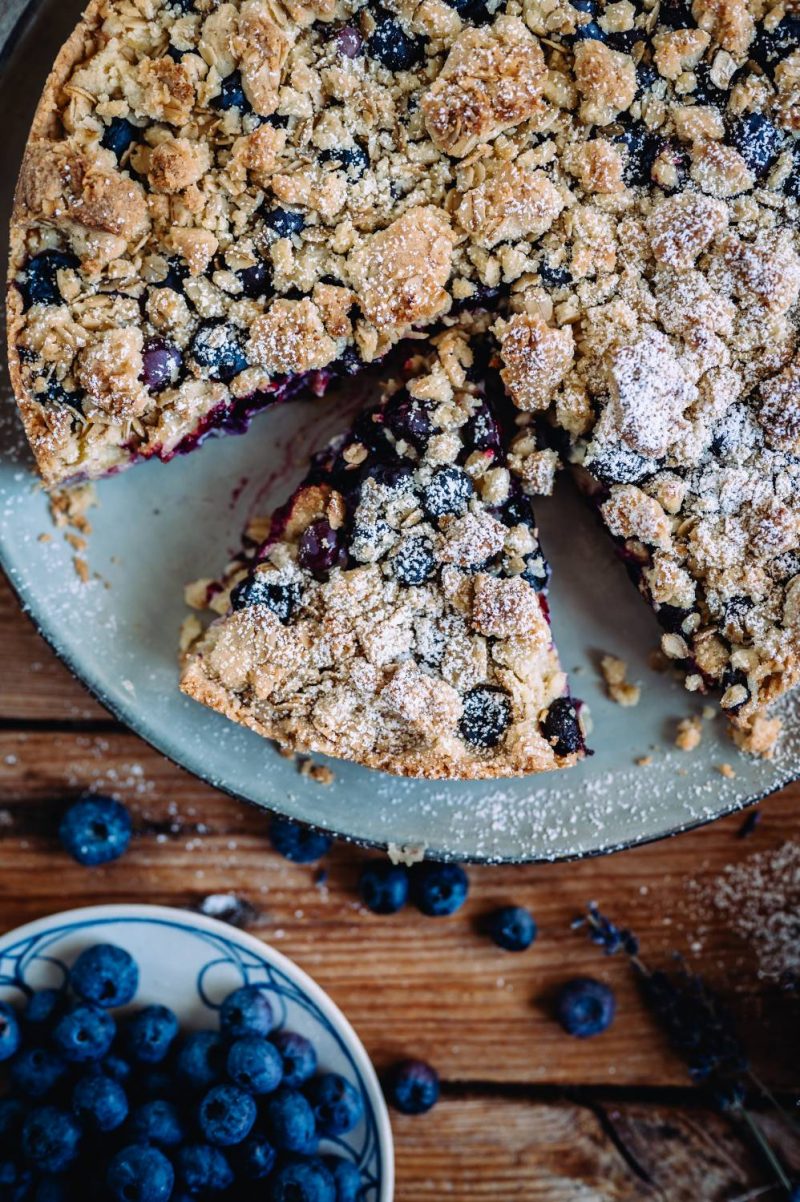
[396, 614]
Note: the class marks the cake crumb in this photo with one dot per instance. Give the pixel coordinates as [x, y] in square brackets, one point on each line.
[689, 734]
[320, 773]
[642, 761]
[657, 660]
[726, 770]
[618, 688]
[708, 712]
[69, 506]
[81, 569]
[76, 541]
[759, 737]
[44, 537]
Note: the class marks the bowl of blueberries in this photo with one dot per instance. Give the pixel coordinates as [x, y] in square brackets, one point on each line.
[154, 1055]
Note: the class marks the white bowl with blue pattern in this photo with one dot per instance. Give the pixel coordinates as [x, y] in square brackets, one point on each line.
[191, 963]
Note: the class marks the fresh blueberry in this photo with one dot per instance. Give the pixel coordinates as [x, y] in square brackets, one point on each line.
[51, 1189]
[585, 1007]
[392, 46]
[298, 843]
[590, 31]
[12, 1116]
[202, 1169]
[50, 1139]
[140, 1174]
[290, 1122]
[439, 889]
[758, 142]
[561, 727]
[512, 928]
[284, 222]
[95, 830]
[226, 1115]
[118, 136]
[99, 1102]
[254, 1064]
[246, 1011]
[105, 975]
[552, 276]
[349, 41]
[337, 1104]
[85, 1033]
[486, 717]
[157, 1122]
[161, 364]
[231, 94]
[44, 1007]
[319, 548]
[347, 1180]
[150, 1033]
[40, 286]
[201, 1059]
[298, 1055]
[449, 491]
[115, 1067]
[9, 1031]
[413, 1087]
[217, 348]
[414, 561]
[155, 1081]
[408, 419]
[259, 589]
[255, 1158]
[35, 1072]
[15, 1181]
[384, 886]
[302, 1181]
[352, 159]
[256, 280]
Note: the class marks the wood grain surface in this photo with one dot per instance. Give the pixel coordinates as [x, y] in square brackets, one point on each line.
[527, 1113]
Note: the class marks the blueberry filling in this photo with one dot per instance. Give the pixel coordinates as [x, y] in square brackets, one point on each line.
[414, 561]
[319, 549]
[676, 14]
[40, 286]
[284, 222]
[448, 492]
[119, 136]
[231, 94]
[392, 46]
[354, 160]
[55, 393]
[486, 716]
[408, 419]
[771, 46]
[758, 142]
[217, 348]
[256, 280]
[642, 149]
[482, 430]
[561, 727]
[162, 364]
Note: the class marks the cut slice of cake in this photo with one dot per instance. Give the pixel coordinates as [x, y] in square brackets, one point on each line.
[396, 614]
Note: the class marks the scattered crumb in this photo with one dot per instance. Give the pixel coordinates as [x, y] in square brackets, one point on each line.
[759, 737]
[76, 541]
[642, 761]
[618, 688]
[658, 661]
[81, 569]
[689, 734]
[285, 752]
[408, 853]
[708, 712]
[195, 594]
[693, 683]
[320, 773]
[191, 628]
[44, 537]
[69, 506]
[727, 771]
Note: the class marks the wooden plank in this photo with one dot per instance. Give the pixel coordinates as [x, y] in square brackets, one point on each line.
[411, 985]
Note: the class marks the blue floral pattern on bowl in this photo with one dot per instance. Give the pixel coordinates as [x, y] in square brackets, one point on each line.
[191, 963]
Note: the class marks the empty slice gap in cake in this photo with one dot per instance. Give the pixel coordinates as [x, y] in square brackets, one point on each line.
[396, 615]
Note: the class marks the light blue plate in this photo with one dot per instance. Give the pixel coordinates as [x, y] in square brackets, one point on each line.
[160, 526]
[191, 964]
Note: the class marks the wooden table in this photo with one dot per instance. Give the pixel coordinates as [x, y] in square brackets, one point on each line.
[527, 1112]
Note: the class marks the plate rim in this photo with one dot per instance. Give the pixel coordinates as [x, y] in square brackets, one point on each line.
[189, 919]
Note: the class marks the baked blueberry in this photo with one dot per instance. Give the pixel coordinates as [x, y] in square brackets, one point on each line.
[201, 1059]
[512, 927]
[254, 1064]
[289, 1121]
[347, 1181]
[256, 280]
[408, 419]
[177, 273]
[95, 830]
[792, 185]
[202, 1169]
[552, 276]
[218, 350]
[414, 561]
[246, 1011]
[140, 1173]
[624, 40]
[518, 511]
[50, 1139]
[105, 975]
[226, 1115]
[758, 142]
[319, 548]
[486, 717]
[676, 14]
[352, 159]
[10, 1036]
[561, 727]
[161, 364]
[284, 222]
[642, 149]
[413, 1087]
[590, 30]
[771, 46]
[337, 1104]
[302, 1181]
[619, 465]
[259, 589]
[231, 94]
[482, 432]
[439, 889]
[150, 1033]
[84, 1033]
[585, 1007]
[99, 1102]
[392, 46]
[57, 393]
[158, 1122]
[40, 284]
[298, 1055]
[298, 843]
[255, 1158]
[36, 1071]
[118, 136]
[384, 886]
[537, 571]
[349, 41]
[449, 491]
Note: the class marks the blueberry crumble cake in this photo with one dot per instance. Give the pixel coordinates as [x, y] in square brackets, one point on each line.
[396, 613]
